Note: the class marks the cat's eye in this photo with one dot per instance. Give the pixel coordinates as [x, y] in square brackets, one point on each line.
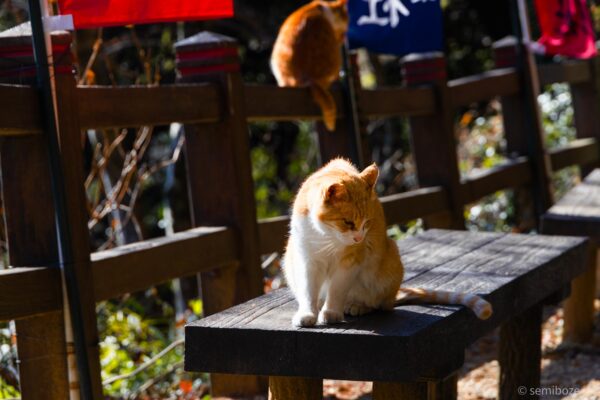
[349, 223]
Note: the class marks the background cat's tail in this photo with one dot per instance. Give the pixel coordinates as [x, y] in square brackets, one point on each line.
[480, 307]
[324, 99]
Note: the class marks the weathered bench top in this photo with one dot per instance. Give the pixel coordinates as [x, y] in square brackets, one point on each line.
[514, 272]
[578, 211]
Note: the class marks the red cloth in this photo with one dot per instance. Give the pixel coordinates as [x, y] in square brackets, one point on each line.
[97, 13]
[566, 27]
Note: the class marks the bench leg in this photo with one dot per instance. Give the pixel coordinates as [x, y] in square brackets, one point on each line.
[444, 389]
[520, 354]
[400, 390]
[294, 388]
[579, 307]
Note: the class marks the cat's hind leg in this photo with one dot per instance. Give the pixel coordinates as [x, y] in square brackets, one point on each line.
[357, 309]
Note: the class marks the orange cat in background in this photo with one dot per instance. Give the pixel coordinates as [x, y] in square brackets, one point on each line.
[307, 51]
[338, 257]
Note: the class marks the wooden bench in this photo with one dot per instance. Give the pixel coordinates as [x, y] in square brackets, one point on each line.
[412, 345]
[577, 213]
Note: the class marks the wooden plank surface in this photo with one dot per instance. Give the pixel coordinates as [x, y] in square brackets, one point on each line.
[396, 101]
[566, 71]
[578, 152]
[484, 86]
[19, 110]
[512, 271]
[140, 265]
[108, 107]
[578, 211]
[272, 103]
[510, 174]
[25, 292]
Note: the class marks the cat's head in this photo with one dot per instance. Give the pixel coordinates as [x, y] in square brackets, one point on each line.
[347, 204]
[339, 12]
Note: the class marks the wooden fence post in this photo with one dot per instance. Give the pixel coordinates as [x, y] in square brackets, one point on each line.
[32, 242]
[586, 106]
[349, 139]
[515, 133]
[432, 137]
[220, 183]
[77, 216]
[525, 111]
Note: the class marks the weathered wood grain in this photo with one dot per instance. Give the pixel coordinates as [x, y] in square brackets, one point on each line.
[484, 86]
[25, 292]
[510, 174]
[19, 110]
[403, 207]
[520, 354]
[582, 152]
[432, 137]
[108, 107]
[396, 101]
[573, 71]
[140, 265]
[579, 306]
[30, 230]
[514, 272]
[577, 212]
[273, 103]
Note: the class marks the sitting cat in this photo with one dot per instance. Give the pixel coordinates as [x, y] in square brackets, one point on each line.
[339, 259]
[307, 51]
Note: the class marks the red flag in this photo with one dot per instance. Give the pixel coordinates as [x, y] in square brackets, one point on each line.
[97, 13]
[566, 27]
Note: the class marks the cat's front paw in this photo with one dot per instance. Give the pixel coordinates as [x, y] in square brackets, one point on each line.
[330, 317]
[357, 309]
[304, 318]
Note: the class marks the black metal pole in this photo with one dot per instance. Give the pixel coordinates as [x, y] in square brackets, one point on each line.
[58, 194]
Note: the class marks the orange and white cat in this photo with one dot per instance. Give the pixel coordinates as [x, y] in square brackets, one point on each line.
[307, 52]
[338, 257]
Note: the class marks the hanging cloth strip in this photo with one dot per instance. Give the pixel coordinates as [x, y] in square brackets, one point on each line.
[566, 28]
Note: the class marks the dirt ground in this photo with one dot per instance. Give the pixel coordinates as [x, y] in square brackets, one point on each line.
[569, 372]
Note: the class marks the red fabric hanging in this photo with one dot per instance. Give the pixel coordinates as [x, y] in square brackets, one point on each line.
[98, 13]
[566, 27]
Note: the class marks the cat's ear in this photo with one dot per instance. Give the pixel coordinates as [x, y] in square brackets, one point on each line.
[335, 192]
[370, 175]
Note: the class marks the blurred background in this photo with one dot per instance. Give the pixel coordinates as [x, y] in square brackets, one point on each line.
[136, 182]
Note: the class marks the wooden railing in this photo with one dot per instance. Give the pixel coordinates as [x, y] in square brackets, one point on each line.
[215, 114]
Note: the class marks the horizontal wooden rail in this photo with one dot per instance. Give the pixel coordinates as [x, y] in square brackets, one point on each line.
[25, 292]
[19, 110]
[403, 207]
[273, 103]
[471, 89]
[510, 174]
[566, 71]
[131, 106]
[396, 101]
[578, 152]
[273, 233]
[140, 265]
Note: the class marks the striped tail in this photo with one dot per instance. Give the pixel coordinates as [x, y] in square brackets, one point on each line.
[480, 307]
[325, 100]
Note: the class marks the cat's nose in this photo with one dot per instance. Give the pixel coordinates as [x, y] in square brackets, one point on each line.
[358, 238]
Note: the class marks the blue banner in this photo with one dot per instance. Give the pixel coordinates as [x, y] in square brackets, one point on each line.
[396, 26]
